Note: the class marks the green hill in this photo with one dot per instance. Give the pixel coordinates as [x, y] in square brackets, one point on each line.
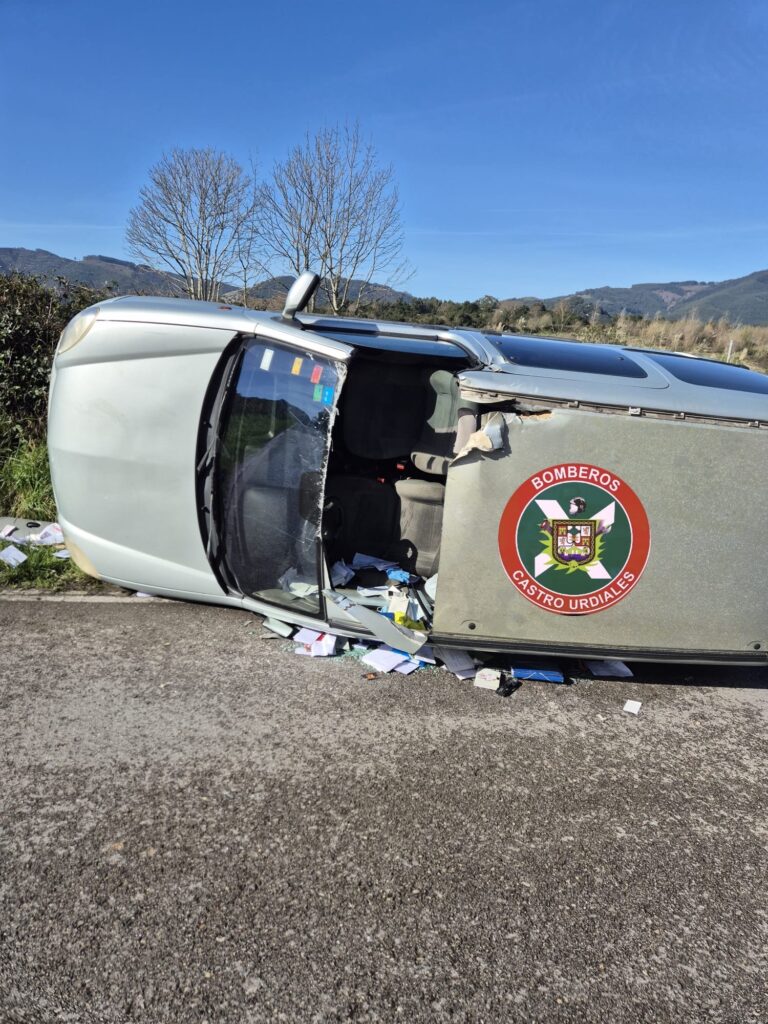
[741, 300]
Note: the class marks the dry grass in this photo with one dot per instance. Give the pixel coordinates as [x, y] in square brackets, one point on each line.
[738, 343]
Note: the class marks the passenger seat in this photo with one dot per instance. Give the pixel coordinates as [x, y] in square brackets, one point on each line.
[445, 428]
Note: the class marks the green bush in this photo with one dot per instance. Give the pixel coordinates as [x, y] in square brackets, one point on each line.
[32, 316]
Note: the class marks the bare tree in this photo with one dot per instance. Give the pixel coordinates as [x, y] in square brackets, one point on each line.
[331, 207]
[196, 217]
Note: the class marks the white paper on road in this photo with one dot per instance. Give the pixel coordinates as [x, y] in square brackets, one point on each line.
[384, 659]
[324, 647]
[406, 667]
[426, 654]
[488, 678]
[632, 707]
[12, 556]
[307, 636]
[459, 662]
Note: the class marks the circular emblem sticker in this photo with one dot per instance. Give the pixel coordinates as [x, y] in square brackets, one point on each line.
[574, 539]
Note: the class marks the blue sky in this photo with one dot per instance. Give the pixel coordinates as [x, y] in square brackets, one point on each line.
[539, 147]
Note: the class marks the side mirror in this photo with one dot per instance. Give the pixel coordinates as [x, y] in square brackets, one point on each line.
[299, 294]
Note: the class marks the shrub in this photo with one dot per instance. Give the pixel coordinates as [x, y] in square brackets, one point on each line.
[32, 316]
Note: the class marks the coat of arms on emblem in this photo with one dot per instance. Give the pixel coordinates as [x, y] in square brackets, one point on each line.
[573, 541]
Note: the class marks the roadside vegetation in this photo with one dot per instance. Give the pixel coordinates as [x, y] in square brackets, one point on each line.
[32, 317]
[744, 344]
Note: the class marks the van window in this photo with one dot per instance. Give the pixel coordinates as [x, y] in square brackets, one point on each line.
[270, 461]
[568, 356]
[709, 373]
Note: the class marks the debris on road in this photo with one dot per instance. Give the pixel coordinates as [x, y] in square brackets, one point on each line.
[461, 663]
[632, 707]
[15, 533]
[488, 678]
[544, 673]
[384, 659]
[12, 556]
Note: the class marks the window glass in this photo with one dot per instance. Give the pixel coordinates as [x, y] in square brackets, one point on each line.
[711, 374]
[569, 356]
[270, 464]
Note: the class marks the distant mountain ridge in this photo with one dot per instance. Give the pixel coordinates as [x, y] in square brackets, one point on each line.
[95, 271]
[740, 300]
[129, 278]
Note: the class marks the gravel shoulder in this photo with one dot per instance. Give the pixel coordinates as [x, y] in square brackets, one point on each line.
[196, 825]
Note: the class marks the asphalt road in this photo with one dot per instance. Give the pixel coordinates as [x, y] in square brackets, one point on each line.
[196, 825]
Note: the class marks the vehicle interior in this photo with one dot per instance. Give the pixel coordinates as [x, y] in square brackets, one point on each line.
[401, 421]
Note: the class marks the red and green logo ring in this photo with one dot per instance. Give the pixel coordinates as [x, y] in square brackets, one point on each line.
[574, 539]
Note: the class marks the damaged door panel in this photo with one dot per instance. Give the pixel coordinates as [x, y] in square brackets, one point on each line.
[594, 532]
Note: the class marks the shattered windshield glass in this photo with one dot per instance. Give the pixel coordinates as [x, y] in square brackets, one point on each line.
[269, 474]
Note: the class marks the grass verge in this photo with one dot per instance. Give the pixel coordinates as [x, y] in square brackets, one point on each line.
[43, 571]
[26, 493]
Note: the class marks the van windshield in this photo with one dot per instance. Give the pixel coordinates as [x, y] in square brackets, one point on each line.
[270, 465]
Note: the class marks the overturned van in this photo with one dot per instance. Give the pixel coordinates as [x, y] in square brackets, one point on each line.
[572, 499]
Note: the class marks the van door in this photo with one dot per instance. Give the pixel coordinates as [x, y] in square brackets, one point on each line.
[271, 453]
[607, 533]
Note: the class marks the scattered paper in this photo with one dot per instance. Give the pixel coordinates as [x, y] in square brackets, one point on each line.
[488, 678]
[61, 554]
[302, 588]
[307, 636]
[371, 562]
[324, 647]
[341, 573]
[142, 593]
[458, 662]
[373, 591]
[408, 666]
[48, 535]
[609, 669]
[7, 530]
[632, 707]
[380, 626]
[426, 654]
[384, 659]
[431, 587]
[12, 556]
[398, 602]
[297, 585]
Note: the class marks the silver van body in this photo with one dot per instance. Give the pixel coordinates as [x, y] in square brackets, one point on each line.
[579, 499]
